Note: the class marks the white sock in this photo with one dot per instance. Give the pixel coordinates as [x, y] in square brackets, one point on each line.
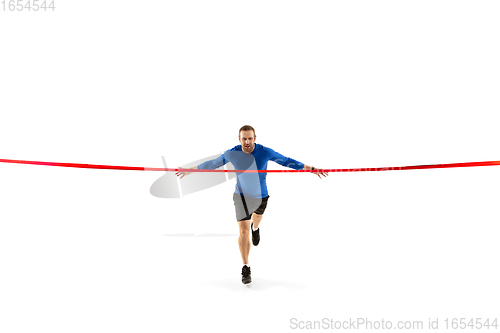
[254, 229]
[248, 265]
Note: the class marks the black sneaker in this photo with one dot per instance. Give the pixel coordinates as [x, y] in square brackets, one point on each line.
[255, 236]
[246, 275]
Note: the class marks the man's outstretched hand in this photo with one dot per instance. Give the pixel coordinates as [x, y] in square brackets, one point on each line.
[319, 173]
[316, 171]
[183, 173]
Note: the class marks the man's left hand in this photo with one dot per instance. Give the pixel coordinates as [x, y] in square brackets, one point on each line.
[319, 173]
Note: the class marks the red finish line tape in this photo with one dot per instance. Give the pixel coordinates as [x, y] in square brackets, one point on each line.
[116, 167]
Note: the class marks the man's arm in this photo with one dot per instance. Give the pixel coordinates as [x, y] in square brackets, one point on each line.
[283, 160]
[291, 163]
[319, 174]
[212, 164]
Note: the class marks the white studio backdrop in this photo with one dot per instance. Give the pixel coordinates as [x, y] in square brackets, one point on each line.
[331, 84]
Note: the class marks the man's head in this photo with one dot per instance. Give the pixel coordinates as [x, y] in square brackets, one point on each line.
[247, 138]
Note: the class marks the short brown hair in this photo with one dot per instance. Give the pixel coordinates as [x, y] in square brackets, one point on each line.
[246, 128]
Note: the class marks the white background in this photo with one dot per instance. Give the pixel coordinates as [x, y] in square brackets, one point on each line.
[334, 84]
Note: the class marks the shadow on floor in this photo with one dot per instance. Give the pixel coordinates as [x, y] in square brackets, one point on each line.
[201, 235]
[258, 284]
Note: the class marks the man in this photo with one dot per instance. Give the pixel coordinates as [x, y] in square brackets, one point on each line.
[250, 196]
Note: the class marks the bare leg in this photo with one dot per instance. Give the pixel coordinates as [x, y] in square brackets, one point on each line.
[244, 240]
[256, 218]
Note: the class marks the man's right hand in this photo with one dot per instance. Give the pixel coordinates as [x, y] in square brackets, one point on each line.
[182, 173]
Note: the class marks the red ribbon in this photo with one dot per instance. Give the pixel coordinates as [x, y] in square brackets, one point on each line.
[116, 167]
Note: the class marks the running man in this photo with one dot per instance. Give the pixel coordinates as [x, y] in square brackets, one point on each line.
[250, 196]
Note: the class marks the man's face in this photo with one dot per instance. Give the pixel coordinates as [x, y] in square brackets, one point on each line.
[247, 140]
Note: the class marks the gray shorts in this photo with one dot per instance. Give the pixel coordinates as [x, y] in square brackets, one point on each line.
[246, 206]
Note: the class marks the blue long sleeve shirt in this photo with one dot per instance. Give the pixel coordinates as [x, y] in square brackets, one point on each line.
[251, 184]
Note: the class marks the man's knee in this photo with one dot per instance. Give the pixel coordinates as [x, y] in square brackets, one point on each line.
[244, 227]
